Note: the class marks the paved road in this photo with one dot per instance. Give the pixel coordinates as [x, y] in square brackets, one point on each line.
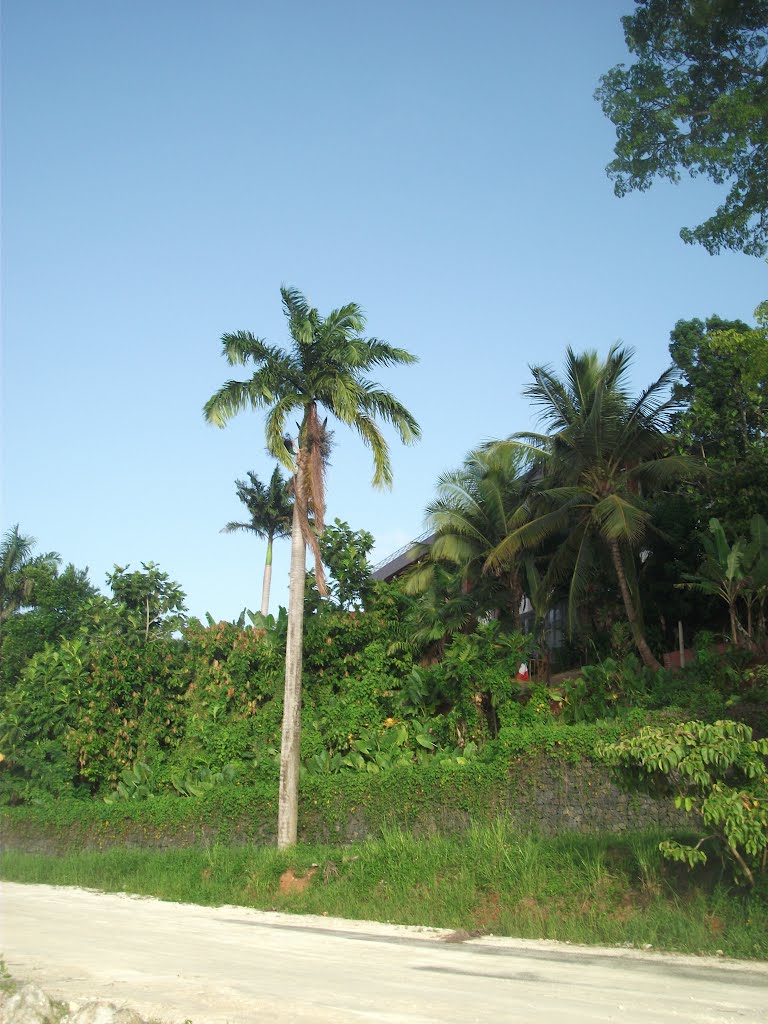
[229, 965]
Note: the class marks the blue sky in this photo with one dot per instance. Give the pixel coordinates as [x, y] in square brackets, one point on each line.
[166, 166]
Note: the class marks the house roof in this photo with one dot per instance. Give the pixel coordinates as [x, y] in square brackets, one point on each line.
[403, 558]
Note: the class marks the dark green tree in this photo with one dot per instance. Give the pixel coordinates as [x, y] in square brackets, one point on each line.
[723, 395]
[723, 388]
[695, 99]
[324, 370]
[270, 509]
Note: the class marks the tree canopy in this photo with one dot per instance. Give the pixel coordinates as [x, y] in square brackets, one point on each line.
[724, 383]
[696, 100]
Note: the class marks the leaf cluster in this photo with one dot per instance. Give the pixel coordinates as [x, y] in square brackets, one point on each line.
[715, 771]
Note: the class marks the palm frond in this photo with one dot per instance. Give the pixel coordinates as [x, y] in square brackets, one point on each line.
[242, 347]
[235, 527]
[581, 572]
[343, 322]
[383, 404]
[619, 519]
[374, 439]
[234, 397]
[381, 353]
[275, 429]
[418, 578]
[668, 470]
[528, 536]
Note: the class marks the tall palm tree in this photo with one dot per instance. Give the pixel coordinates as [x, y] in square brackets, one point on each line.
[605, 451]
[270, 508]
[16, 559]
[323, 371]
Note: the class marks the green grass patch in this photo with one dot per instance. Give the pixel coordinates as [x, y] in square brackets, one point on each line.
[592, 889]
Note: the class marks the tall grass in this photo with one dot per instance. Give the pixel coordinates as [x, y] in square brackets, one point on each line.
[576, 888]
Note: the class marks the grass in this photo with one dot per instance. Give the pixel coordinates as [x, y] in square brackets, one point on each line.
[586, 889]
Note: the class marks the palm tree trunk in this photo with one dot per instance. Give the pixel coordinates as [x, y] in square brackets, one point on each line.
[634, 622]
[288, 807]
[267, 579]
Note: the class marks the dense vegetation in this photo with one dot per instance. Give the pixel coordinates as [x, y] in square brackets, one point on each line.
[617, 515]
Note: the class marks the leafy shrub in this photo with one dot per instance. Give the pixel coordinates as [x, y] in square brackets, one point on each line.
[715, 771]
[602, 689]
[134, 784]
[37, 715]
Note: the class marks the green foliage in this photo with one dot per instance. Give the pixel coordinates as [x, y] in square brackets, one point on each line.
[722, 389]
[715, 771]
[396, 744]
[59, 605]
[738, 574]
[203, 780]
[134, 784]
[714, 685]
[604, 689]
[133, 709]
[533, 733]
[694, 100]
[37, 716]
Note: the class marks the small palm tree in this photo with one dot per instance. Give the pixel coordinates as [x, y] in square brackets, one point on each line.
[472, 515]
[605, 451]
[270, 508]
[324, 370]
[16, 559]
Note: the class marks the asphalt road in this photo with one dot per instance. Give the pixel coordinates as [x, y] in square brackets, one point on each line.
[229, 964]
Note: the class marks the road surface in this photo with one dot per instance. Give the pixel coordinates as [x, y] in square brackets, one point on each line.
[230, 965]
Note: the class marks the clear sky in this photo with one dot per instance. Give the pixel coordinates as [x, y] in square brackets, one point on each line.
[167, 165]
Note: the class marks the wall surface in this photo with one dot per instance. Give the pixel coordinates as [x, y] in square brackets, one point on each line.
[546, 795]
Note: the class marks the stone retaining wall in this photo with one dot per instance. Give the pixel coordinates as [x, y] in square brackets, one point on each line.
[547, 796]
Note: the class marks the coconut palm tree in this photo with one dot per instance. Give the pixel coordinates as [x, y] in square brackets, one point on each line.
[471, 516]
[16, 559]
[270, 508]
[323, 372]
[604, 452]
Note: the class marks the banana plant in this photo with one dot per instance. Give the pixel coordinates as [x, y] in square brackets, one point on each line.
[724, 574]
